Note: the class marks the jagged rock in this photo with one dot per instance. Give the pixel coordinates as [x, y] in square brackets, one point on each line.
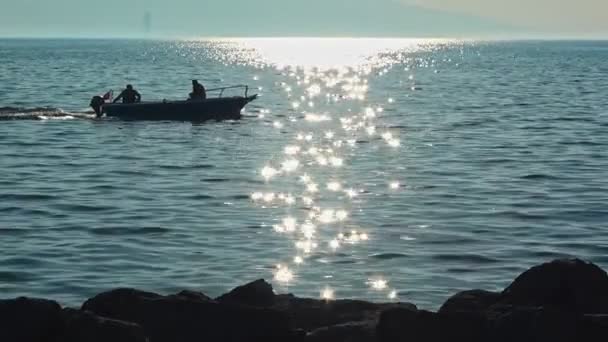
[306, 313]
[85, 326]
[401, 324]
[470, 301]
[596, 326]
[30, 320]
[527, 324]
[514, 324]
[310, 314]
[348, 332]
[193, 295]
[257, 293]
[391, 325]
[179, 318]
[570, 285]
[560, 301]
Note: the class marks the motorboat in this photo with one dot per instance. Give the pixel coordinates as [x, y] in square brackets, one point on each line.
[213, 108]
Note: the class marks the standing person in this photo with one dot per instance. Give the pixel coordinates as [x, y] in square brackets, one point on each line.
[198, 91]
[128, 95]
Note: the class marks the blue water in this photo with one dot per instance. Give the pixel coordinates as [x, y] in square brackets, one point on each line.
[496, 160]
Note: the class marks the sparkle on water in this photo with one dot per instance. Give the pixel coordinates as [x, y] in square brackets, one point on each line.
[283, 274]
[269, 172]
[351, 193]
[323, 76]
[292, 149]
[383, 142]
[337, 54]
[334, 186]
[378, 284]
[334, 244]
[327, 294]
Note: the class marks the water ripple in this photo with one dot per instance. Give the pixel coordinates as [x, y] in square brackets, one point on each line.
[372, 186]
[125, 231]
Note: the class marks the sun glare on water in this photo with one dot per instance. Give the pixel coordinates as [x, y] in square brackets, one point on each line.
[325, 83]
[336, 54]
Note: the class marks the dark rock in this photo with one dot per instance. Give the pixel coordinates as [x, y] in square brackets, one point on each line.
[348, 332]
[392, 324]
[423, 326]
[539, 325]
[179, 318]
[570, 285]
[513, 324]
[310, 314]
[595, 327]
[560, 301]
[30, 320]
[306, 313]
[470, 301]
[257, 293]
[598, 320]
[193, 295]
[85, 326]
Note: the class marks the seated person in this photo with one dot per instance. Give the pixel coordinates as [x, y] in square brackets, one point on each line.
[128, 95]
[198, 91]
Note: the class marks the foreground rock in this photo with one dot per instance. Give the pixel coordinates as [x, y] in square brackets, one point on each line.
[305, 313]
[564, 300]
[258, 293]
[474, 301]
[347, 332]
[310, 314]
[569, 285]
[85, 326]
[31, 320]
[419, 325]
[188, 318]
[40, 320]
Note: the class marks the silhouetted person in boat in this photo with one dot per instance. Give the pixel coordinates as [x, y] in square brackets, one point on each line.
[96, 103]
[198, 91]
[128, 95]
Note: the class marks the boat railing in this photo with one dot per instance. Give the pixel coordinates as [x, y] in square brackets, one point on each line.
[221, 90]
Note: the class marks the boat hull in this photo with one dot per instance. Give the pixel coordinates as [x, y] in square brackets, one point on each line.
[228, 108]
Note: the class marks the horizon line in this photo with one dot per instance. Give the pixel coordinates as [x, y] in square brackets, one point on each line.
[528, 37]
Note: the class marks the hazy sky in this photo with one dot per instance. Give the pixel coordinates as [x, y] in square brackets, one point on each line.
[564, 16]
[305, 17]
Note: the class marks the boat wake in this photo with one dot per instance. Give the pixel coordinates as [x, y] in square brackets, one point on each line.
[42, 113]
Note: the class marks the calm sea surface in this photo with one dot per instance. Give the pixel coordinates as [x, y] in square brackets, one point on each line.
[380, 169]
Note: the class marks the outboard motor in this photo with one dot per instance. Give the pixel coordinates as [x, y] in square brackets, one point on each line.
[96, 103]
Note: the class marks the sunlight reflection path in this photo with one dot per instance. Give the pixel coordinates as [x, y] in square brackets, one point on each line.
[326, 81]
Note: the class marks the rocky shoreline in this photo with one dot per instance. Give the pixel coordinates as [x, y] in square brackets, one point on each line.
[563, 300]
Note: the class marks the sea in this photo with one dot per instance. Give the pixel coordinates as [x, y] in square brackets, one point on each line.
[379, 169]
